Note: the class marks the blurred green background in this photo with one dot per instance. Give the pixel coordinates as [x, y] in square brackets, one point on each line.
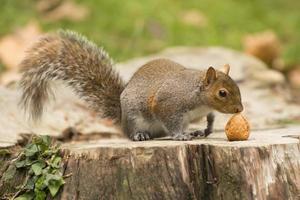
[133, 28]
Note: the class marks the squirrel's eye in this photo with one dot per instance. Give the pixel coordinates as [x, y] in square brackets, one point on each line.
[222, 93]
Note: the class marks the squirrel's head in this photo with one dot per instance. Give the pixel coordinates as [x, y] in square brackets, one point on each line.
[222, 93]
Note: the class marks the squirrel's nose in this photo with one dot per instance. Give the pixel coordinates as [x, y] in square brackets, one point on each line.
[239, 108]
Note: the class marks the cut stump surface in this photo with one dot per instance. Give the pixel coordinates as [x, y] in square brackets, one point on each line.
[267, 166]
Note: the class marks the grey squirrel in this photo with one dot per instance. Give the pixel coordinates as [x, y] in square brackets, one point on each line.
[161, 98]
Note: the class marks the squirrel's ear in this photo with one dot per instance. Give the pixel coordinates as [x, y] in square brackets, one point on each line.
[210, 76]
[226, 69]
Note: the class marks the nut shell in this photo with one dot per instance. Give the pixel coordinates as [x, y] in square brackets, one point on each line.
[237, 128]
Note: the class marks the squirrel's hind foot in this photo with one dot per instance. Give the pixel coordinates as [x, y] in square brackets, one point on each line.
[141, 136]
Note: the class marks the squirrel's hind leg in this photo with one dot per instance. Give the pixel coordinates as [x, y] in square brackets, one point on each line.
[176, 125]
[136, 128]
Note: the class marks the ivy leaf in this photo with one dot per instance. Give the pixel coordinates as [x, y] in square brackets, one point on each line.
[50, 177]
[42, 163]
[54, 182]
[20, 163]
[40, 183]
[4, 152]
[30, 183]
[25, 196]
[46, 140]
[54, 186]
[55, 162]
[37, 168]
[30, 172]
[9, 173]
[48, 153]
[43, 142]
[39, 195]
[46, 170]
[31, 150]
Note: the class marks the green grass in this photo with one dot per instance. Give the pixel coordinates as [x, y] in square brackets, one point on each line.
[133, 27]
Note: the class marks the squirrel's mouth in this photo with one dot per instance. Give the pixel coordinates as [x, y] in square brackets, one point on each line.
[232, 109]
[239, 108]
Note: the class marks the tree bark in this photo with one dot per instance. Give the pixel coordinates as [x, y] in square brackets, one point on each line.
[265, 167]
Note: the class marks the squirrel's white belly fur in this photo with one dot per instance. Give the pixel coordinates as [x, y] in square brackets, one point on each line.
[197, 114]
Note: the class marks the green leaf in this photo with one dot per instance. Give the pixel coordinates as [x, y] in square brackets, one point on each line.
[43, 142]
[4, 152]
[31, 150]
[54, 186]
[38, 167]
[42, 163]
[46, 139]
[54, 182]
[30, 172]
[9, 173]
[40, 183]
[20, 163]
[25, 196]
[48, 153]
[39, 195]
[30, 183]
[46, 170]
[37, 139]
[50, 177]
[29, 161]
[55, 162]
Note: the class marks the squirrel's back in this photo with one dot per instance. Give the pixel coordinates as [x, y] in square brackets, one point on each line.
[150, 77]
[153, 77]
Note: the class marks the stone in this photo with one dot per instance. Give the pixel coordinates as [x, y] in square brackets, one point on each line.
[269, 78]
[294, 78]
[243, 67]
[264, 108]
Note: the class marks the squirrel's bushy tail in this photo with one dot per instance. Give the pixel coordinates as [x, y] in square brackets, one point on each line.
[70, 57]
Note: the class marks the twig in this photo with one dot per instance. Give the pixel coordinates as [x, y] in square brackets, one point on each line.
[67, 175]
[21, 189]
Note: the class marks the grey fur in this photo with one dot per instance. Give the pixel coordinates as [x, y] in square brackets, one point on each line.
[83, 66]
[161, 98]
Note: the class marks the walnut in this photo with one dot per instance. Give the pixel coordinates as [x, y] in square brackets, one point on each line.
[237, 128]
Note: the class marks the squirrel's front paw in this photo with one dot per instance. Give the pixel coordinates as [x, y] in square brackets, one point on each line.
[207, 131]
[141, 136]
[198, 133]
[183, 137]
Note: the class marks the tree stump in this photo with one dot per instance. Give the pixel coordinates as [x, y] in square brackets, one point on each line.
[267, 166]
